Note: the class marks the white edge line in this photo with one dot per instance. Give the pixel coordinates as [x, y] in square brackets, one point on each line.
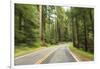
[27, 54]
[73, 55]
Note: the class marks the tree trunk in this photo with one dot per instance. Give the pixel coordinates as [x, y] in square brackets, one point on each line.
[73, 32]
[77, 32]
[58, 30]
[41, 26]
[85, 33]
[20, 21]
[92, 20]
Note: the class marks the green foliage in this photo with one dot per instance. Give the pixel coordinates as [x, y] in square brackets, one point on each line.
[26, 24]
[83, 28]
[40, 25]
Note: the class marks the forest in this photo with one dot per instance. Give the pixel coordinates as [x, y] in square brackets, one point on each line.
[44, 25]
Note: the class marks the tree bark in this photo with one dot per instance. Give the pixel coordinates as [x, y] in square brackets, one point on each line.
[73, 32]
[20, 21]
[92, 20]
[85, 33]
[41, 26]
[77, 32]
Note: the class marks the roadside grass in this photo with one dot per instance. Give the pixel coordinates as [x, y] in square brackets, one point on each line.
[25, 49]
[81, 54]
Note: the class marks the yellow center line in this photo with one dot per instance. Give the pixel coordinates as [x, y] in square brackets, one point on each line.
[45, 57]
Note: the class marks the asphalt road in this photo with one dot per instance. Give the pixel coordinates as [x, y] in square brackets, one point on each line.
[57, 54]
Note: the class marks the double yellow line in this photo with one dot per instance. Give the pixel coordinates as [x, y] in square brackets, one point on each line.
[45, 57]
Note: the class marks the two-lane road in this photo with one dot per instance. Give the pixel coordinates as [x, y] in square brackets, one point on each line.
[57, 54]
[61, 55]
